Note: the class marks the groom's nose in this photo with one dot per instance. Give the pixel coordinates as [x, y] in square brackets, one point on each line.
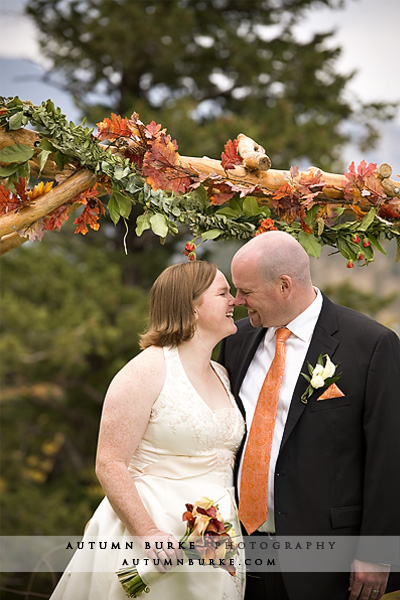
[239, 299]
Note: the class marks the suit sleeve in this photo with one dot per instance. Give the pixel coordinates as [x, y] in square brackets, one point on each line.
[381, 425]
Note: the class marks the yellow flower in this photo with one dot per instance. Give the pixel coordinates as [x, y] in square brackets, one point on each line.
[39, 189]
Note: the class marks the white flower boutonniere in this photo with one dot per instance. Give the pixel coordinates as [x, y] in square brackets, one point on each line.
[320, 376]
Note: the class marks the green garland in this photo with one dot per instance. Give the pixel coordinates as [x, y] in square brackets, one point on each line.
[164, 212]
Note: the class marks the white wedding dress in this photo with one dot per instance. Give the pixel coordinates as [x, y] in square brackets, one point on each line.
[187, 452]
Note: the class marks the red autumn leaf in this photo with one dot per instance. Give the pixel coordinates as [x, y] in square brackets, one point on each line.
[154, 129]
[389, 211]
[365, 170]
[282, 192]
[20, 188]
[220, 192]
[351, 171]
[310, 178]
[8, 201]
[56, 218]
[230, 158]
[286, 203]
[310, 183]
[111, 129]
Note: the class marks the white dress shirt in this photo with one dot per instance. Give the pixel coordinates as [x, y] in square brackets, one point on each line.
[302, 328]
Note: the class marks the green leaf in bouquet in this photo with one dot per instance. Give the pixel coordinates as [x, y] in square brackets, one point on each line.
[8, 170]
[142, 223]
[310, 243]
[211, 234]
[17, 120]
[367, 220]
[113, 209]
[375, 242]
[251, 206]
[16, 153]
[311, 215]
[124, 204]
[43, 157]
[159, 224]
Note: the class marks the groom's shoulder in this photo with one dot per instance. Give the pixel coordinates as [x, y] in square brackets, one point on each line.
[243, 328]
[244, 325]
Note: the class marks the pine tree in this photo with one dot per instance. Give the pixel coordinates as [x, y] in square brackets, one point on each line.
[207, 70]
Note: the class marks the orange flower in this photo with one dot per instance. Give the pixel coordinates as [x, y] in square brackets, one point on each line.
[266, 225]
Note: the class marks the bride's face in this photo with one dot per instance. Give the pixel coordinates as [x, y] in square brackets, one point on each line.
[214, 309]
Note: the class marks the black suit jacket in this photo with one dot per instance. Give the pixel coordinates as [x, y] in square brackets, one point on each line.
[338, 468]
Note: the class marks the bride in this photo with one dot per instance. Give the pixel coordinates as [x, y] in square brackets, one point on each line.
[168, 436]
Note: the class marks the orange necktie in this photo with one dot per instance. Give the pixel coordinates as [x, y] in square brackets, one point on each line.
[255, 468]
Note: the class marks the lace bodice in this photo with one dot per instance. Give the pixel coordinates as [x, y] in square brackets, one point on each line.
[183, 425]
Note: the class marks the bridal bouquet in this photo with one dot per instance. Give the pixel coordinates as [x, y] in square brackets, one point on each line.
[208, 539]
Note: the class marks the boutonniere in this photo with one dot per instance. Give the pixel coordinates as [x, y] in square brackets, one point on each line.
[320, 376]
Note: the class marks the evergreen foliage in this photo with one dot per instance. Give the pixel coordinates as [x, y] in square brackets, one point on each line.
[66, 331]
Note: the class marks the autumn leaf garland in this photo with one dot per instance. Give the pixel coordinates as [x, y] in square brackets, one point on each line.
[146, 169]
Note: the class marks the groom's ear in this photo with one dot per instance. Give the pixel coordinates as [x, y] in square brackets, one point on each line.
[285, 285]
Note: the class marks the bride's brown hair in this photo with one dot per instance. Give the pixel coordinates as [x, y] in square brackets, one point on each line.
[172, 303]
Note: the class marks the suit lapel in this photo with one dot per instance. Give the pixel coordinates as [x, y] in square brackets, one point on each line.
[322, 342]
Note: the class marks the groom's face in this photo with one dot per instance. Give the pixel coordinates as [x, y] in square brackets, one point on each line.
[263, 300]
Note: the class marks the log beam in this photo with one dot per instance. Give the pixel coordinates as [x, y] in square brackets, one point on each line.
[10, 241]
[45, 204]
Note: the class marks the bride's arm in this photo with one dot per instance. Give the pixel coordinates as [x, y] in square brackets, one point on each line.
[125, 417]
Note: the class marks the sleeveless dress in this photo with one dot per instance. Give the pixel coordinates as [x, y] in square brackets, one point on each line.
[186, 452]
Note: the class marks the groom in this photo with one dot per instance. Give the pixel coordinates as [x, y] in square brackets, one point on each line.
[332, 465]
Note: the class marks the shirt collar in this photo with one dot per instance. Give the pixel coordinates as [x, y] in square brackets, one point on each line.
[303, 325]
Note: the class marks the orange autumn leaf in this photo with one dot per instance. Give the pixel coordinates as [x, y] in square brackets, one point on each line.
[86, 195]
[89, 218]
[282, 192]
[112, 129]
[162, 168]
